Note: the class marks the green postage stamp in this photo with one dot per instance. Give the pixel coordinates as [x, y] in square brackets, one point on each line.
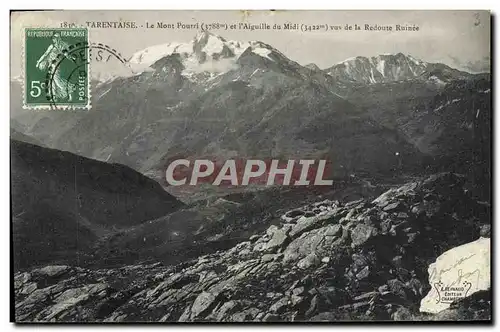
[56, 68]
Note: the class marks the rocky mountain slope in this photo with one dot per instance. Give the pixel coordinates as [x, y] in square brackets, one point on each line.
[450, 124]
[214, 224]
[328, 260]
[63, 203]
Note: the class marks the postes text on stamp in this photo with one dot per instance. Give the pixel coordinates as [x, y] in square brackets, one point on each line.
[53, 74]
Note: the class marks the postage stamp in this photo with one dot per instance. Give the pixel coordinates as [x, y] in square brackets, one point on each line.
[56, 68]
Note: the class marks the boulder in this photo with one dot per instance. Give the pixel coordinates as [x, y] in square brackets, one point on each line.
[278, 238]
[309, 261]
[391, 206]
[305, 224]
[279, 306]
[203, 302]
[52, 270]
[485, 231]
[316, 240]
[361, 234]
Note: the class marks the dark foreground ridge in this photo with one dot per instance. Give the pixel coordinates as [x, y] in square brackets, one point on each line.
[63, 203]
[327, 261]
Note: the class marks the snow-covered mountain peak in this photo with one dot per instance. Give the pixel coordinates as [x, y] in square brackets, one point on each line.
[151, 54]
[379, 69]
[206, 53]
[204, 46]
[208, 46]
[399, 57]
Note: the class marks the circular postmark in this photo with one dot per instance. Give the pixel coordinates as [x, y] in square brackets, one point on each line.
[68, 79]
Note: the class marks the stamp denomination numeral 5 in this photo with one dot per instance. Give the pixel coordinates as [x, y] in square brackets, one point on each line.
[36, 88]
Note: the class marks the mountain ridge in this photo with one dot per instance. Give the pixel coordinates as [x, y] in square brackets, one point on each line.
[207, 46]
[385, 68]
[63, 203]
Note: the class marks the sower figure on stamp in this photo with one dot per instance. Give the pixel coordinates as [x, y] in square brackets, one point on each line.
[62, 89]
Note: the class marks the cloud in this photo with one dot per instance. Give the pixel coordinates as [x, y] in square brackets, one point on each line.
[214, 66]
[479, 66]
[473, 66]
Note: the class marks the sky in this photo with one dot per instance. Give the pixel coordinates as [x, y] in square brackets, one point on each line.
[460, 39]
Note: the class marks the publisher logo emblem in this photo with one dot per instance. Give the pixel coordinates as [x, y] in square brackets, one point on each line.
[449, 294]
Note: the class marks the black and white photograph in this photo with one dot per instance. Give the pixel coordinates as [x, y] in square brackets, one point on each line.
[250, 166]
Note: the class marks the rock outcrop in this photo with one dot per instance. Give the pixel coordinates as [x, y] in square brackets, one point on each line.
[326, 261]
